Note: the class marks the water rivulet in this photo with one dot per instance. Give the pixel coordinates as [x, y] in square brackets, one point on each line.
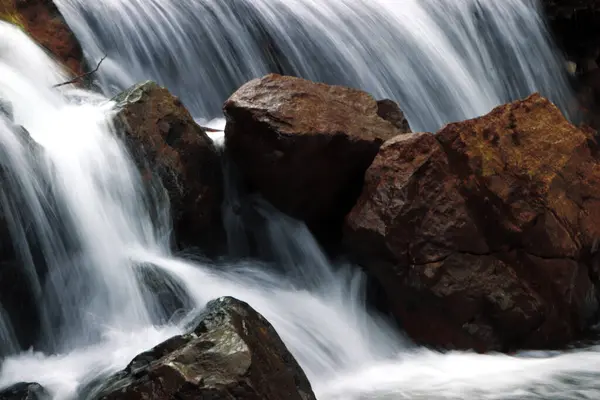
[80, 219]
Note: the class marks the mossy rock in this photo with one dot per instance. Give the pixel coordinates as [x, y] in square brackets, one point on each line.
[42, 20]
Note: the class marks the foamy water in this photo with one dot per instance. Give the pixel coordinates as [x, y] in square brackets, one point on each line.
[95, 235]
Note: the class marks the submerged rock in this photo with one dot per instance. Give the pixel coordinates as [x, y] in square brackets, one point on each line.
[18, 301]
[305, 146]
[25, 391]
[42, 20]
[233, 353]
[166, 143]
[6, 109]
[482, 235]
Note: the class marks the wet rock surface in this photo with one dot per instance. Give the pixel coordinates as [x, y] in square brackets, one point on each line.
[168, 145]
[391, 112]
[25, 391]
[575, 26]
[305, 146]
[233, 353]
[482, 235]
[43, 21]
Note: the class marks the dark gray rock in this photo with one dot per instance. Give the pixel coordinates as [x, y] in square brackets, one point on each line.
[6, 109]
[25, 391]
[233, 353]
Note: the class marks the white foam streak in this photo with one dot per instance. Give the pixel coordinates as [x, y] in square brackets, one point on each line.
[63, 375]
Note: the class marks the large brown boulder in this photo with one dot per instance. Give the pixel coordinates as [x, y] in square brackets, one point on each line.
[234, 353]
[42, 20]
[166, 143]
[305, 146]
[482, 235]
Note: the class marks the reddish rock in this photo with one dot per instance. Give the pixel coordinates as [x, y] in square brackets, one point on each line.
[305, 146]
[44, 22]
[481, 235]
[166, 143]
[391, 112]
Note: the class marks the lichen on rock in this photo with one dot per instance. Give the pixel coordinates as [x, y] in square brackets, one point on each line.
[482, 234]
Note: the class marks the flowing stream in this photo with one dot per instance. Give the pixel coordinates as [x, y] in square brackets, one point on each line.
[80, 217]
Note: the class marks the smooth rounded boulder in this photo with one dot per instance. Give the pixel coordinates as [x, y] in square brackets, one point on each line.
[305, 146]
[166, 143]
[233, 353]
[483, 235]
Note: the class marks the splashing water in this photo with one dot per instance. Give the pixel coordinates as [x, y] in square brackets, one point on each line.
[89, 217]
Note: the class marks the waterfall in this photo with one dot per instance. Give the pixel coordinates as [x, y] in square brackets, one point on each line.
[81, 223]
[442, 60]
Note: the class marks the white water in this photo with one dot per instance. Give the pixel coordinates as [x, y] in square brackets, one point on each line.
[443, 60]
[98, 237]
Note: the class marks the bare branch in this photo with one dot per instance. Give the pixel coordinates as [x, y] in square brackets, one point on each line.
[82, 75]
[207, 129]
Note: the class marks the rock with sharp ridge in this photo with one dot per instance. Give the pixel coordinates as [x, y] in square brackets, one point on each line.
[305, 146]
[483, 235]
[25, 391]
[391, 112]
[233, 353]
[42, 20]
[167, 144]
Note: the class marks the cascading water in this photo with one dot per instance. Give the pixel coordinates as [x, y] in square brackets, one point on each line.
[81, 220]
[442, 60]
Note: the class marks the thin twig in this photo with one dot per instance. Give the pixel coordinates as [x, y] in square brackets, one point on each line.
[207, 129]
[82, 75]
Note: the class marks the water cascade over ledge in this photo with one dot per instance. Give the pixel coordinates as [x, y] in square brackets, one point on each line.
[441, 60]
[82, 208]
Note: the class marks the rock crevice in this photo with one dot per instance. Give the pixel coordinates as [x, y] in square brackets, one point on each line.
[489, 220]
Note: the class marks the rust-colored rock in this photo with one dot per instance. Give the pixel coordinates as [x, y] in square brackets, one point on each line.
[166, 143]
[44, 22]
[391, 112]
[305, 146]
[482, 234]
[233, 353]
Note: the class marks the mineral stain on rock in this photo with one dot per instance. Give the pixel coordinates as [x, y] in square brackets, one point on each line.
[481, 234]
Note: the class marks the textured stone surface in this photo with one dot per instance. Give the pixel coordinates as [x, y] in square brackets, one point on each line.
[482, 234]
[24, 391]
[233, 353]
[42, 20]
[305, 146]
[391, 112]
[166, 143]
